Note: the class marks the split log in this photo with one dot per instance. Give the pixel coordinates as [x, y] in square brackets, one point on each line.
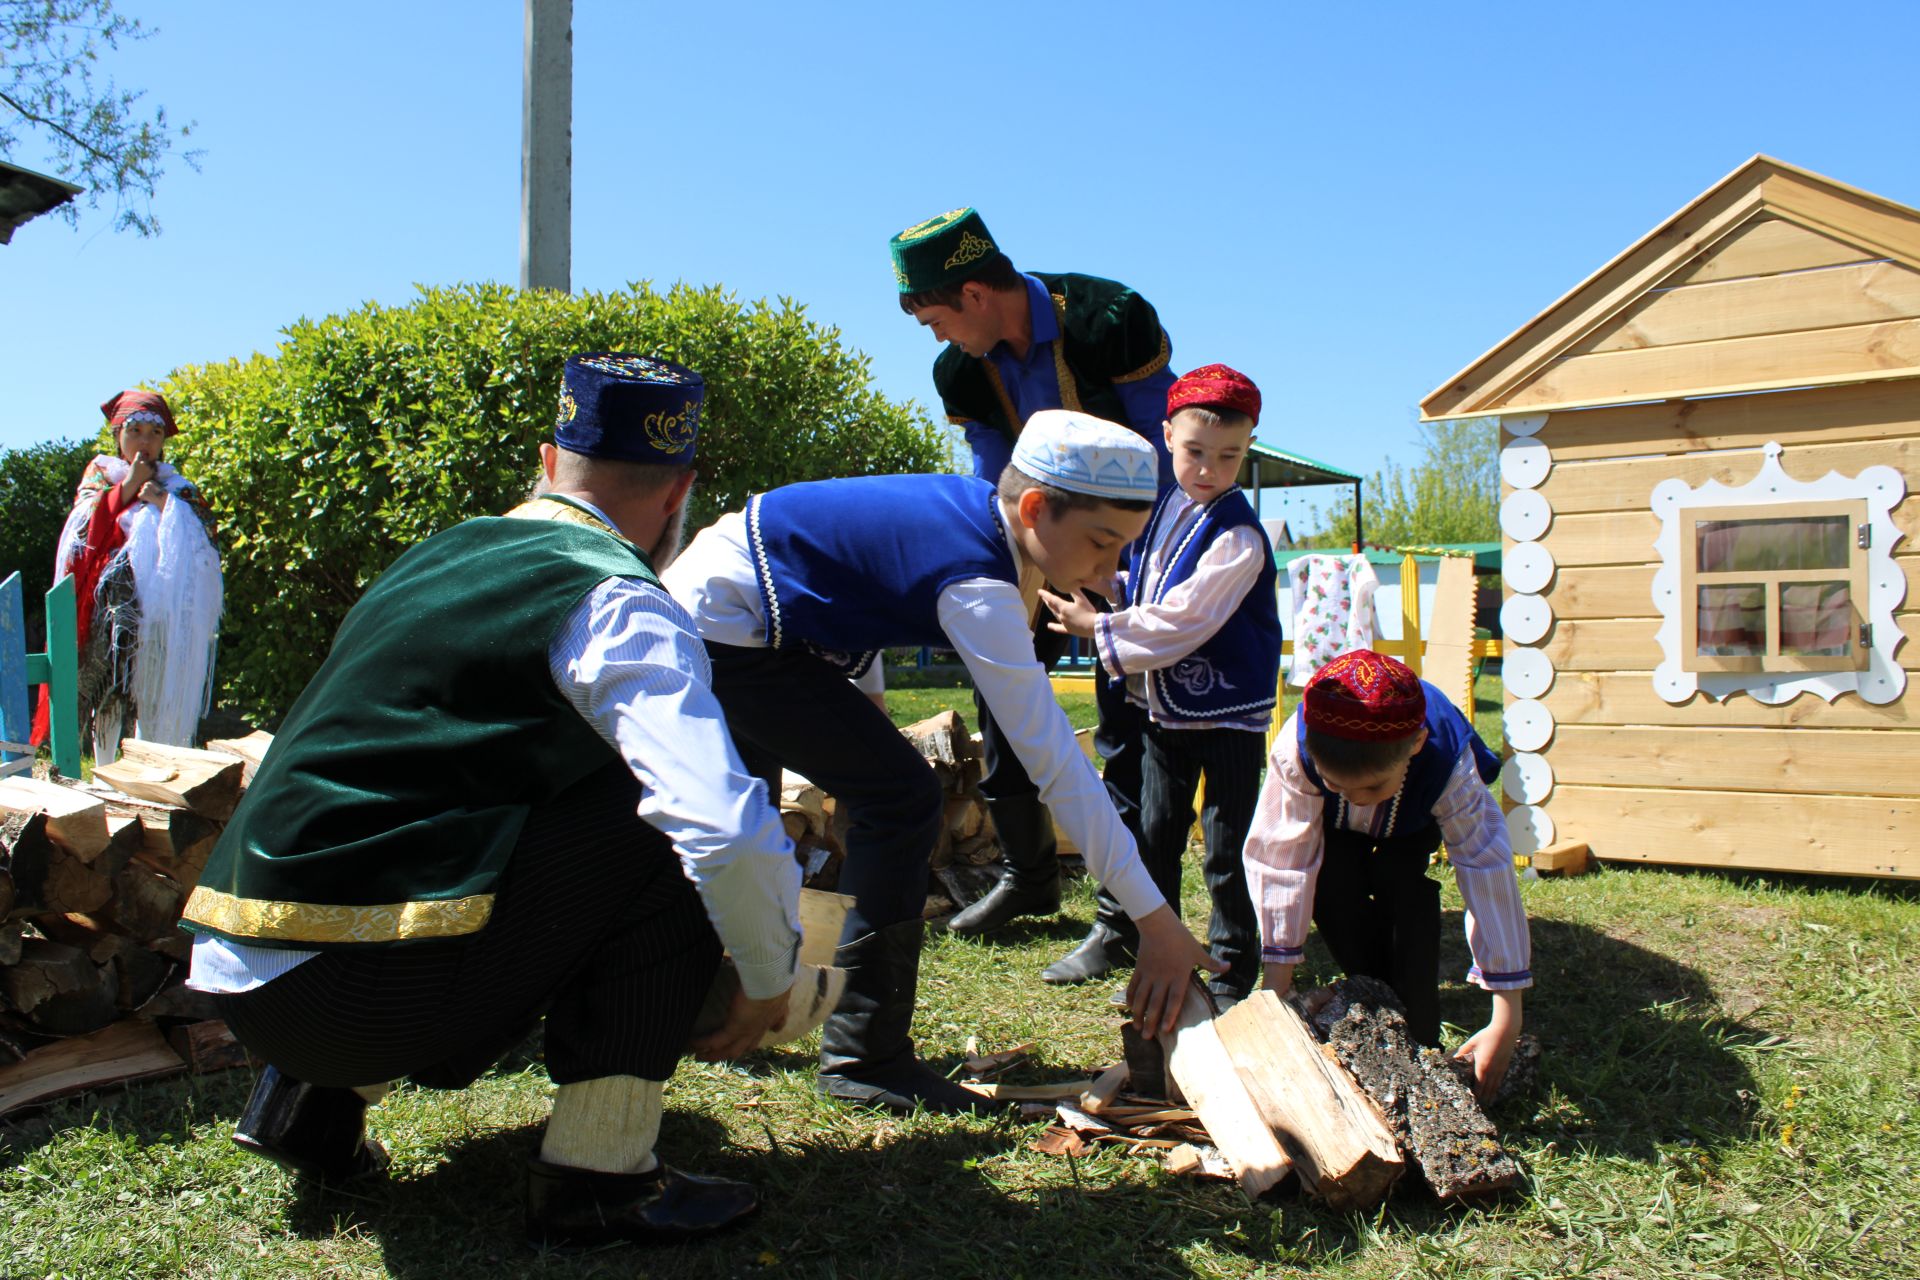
[208, 1046]
[146, 905]
[124, 1052]
[180, 1001]
[207, 782]
[12, 939]
[58, 988]
[6, 895]
[251, 749]
[1337, 1137]
[823, 918]
[1146, 1062]
[1200, 1064]
[75, 819]
[138, 973]
[802, 799]
[49, 877]
[1570, 858]
[1433, 1115]
[943, 739]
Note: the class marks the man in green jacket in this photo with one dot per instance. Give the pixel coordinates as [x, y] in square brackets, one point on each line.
[509, 794]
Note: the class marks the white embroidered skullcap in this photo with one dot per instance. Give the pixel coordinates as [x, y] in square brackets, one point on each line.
[1084, 454]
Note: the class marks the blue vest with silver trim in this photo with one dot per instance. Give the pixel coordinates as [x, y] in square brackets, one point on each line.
[1411, 811]
[850, 567]
[1233, 675]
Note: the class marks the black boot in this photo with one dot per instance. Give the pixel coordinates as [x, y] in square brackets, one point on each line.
[866, 1051]
[1030, 886]
[1107, 946]
[309, 1130]
[579, 1208]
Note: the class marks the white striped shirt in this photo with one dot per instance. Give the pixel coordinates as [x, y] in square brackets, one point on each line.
[1285, 846]
[627, 660]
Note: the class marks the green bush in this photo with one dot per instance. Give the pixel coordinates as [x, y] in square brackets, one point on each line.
[36, 492]
[369, 431]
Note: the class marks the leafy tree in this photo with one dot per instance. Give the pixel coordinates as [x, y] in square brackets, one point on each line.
[1452, 494]
[98, 134]
[36, 492]
[369, 431]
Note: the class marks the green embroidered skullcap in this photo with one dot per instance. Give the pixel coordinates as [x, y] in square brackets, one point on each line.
[941, 251]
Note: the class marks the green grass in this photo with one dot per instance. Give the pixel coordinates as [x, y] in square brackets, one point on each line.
[1688, 1020]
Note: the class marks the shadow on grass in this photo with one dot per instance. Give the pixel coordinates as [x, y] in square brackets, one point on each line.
[860, 1199]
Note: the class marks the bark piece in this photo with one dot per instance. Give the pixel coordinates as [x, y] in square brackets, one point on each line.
[1336, 1136]
[75, 819]
[207, 782]
[1199, 1062]
[124, 1052]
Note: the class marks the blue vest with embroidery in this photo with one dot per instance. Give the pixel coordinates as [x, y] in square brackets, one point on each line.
[1235, 673]
[850, 567]
[1448, 733]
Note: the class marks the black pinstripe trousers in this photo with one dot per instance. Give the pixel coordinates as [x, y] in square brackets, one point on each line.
[1171, 770]
[595, 928]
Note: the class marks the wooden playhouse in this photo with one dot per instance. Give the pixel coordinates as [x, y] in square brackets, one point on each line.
[1707, 452]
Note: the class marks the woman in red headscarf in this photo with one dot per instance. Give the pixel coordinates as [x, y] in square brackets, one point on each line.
[139, 544]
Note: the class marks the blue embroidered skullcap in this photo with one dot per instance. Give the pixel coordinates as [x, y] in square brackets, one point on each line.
[1084, 454]
[627, 407]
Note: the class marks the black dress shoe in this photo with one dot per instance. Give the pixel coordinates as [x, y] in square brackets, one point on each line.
[1099, 953]
[1004, 902]
[571, 1208]
[309, 1130]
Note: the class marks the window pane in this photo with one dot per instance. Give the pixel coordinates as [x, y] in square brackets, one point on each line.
[1733, 620]
[1816, 619]
[1757, 546]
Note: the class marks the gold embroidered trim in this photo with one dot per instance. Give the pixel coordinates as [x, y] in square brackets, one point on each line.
[1069, 392]
[972, 249]
[566, 513]
[936, 223]
[1152, 366]
[673, 432]
[1015, 423]
[267, 920]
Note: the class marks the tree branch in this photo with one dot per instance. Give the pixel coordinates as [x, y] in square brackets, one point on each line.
[60, 129]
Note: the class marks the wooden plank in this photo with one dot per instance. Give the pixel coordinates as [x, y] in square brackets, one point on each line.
[1837, 835]
[1615, 697]
[128, 1050]
[1628, 644]
[1627, 537]
[207, 782]
[1336, 1136]
[1627, 484]
[1615, 591]
[1801, 761]
[1448, 661]
[1568, 857]
[1201, 1066]
[1825, 299]
[1708, 368]
[1765, 247]
[1848, 213]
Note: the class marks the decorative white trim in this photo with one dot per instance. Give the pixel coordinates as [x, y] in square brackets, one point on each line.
[1525, 462]
[1528, 724]
[1528, 672]
[1525, 515]
[1525, 618]
[765, 570]
[1529, 829]
[1526, 777]
[1528, 568]
[1881, 488]
[1523, 424]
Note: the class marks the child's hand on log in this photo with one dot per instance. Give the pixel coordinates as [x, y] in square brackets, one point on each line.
[1490, 1049]
[1168, 957]
[1074, 614]
[748, 1022]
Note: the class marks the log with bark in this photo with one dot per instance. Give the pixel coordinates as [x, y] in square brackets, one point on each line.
[207, 782]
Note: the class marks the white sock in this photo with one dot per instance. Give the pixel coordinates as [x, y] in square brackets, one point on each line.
[608, 1125]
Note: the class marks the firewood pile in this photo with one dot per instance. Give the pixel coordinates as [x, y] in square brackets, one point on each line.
[1327, 1088]
[965, 860]
[93, 877]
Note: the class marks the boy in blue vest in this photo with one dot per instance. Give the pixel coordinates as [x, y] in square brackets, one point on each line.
[1198, 646]
[801, 590]
[1366, 779]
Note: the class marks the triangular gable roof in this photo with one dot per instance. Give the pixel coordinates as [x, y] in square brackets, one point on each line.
[1759, 189]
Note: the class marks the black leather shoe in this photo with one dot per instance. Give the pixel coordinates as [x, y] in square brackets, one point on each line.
[1004, 902]
[1099, 953]
[578, 1208]
[309, 1130]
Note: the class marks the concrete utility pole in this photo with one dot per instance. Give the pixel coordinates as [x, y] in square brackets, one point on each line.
[546, 147]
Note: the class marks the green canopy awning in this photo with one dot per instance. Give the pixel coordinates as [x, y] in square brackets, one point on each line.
[25, 195]
[1269, 468]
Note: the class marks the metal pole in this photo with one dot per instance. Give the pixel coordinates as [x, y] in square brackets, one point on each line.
[546, 147]
[1359, 532]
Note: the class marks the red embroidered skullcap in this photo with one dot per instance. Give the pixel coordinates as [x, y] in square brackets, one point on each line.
[150, 404]
[1365, 695]
[1216, 387]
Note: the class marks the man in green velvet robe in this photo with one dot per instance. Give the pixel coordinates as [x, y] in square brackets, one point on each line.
[509, 795]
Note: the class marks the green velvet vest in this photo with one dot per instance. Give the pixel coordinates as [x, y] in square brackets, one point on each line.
[395, 790]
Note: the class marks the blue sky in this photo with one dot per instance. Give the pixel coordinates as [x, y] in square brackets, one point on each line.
[1349, 202]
